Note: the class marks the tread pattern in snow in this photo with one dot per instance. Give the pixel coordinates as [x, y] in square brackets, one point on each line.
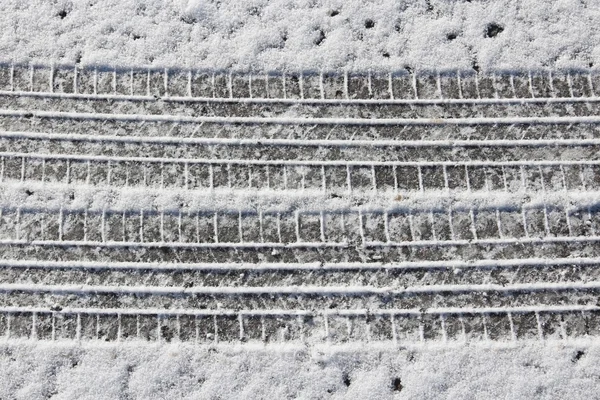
[183, 205]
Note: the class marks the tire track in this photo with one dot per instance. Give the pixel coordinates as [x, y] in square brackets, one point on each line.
[216, 207]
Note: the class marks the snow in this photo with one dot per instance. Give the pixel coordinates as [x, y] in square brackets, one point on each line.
[304, 35]
[261, 35]
[53, 197]
[64, 370]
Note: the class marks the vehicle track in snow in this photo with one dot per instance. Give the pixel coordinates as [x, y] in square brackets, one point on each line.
[220, 207]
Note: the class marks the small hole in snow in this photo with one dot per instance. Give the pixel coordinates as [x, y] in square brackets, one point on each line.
[333, 13]
[320, 38]
[62, 14]
[166, 333]
[346, 380]
[255, 11]
[578, 355]
[164, 249]
[188, 19]
[369, 24]
[451, 36]
[397, 385]
[493, 30]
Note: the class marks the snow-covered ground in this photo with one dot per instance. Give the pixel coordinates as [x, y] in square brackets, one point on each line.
[286, 199]
[275, 35]
[528, 370]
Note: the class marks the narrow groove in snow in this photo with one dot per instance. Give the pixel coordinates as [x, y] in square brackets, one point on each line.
[474, 121]
[326, 163]
[340, 266]
[374, 143]
[570, 308]
[301, 290]
[301, 244]
[315, 101]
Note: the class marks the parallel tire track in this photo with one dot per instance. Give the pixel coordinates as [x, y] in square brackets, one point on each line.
[210, 207]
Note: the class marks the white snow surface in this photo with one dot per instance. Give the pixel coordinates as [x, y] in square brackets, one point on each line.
[139, 370]
[300, 35]
[304, 35]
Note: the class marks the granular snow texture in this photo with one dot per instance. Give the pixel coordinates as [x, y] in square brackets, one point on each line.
[261, 35]
[148, 371]
[380, 36]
